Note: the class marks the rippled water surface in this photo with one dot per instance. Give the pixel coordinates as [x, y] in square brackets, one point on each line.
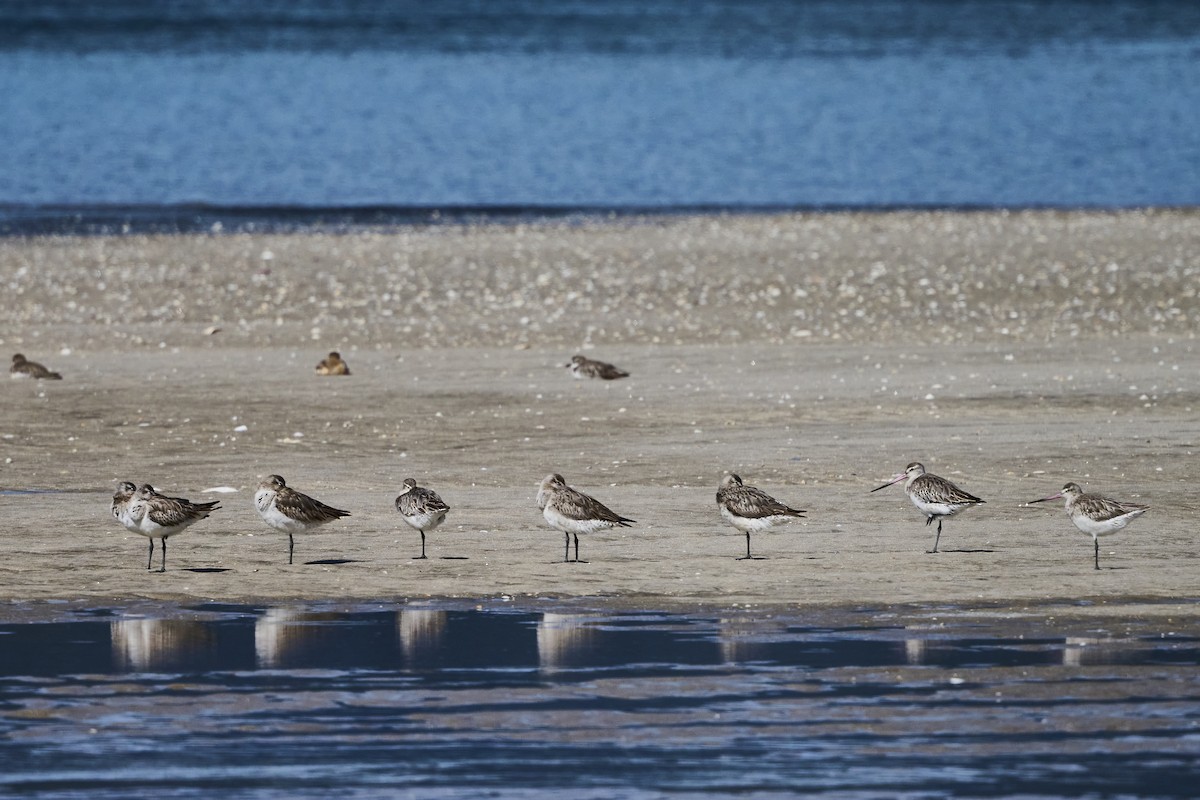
[588, 103]
[466, 701]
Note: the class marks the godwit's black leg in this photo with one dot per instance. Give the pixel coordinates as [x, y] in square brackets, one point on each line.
[1096, 541]
[422, 545]
[150, 558]
[291, 547]
[163, 568]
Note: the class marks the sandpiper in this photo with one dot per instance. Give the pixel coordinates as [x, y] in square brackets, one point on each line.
[582, 367]
[574, 512]
[332, 364]
[934, 497]
[24, 368]
[748, 508]
[1096, 515]
[122, 498]
[421, 508]
[289, 511]
[156, 516]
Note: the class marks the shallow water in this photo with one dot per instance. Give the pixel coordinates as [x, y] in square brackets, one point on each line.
[670, 103]
[460, 700]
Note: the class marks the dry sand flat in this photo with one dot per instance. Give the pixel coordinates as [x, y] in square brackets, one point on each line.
[815, 355]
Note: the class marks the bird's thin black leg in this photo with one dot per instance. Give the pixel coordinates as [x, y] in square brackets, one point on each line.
[422, 545]
[939, 535]
[577, 561]
[1096, 541]
[150, 558]
[743, 558]
[291, 547]
[163, 568]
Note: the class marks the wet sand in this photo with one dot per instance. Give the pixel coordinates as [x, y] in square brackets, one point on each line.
[815, 355]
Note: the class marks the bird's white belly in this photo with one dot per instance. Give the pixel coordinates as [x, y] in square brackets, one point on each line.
[280, 521]
[749, 524]
[148, 527]
[1094, 527]
[426, 522]
[934, 509]
[128, 519]
[569, 525]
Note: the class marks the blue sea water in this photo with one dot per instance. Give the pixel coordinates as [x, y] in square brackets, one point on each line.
[591, 104]
[428, 700]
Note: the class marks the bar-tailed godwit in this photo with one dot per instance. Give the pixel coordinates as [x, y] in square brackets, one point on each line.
[156, 516]
[421, 508]
[1096, 515]
[24, 368]
[574, 512]
[332, 364]
[934, 497]
[582, 367]
[748, 508]
[287, 510]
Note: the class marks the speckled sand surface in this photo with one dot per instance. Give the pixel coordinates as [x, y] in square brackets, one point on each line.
[815, 355]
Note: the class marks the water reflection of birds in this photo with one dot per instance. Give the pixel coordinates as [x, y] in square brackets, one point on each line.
[421, 631]
[1079, 651]
[162, 645]
[283, 637]
[564, 639]
[743, 639]
[915, 651]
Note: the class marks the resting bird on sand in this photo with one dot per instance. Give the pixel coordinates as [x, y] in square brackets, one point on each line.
[748, 508]
[421, 508]
[156, 516]
[574, 512]
[289, 511]
[332, 364]
[24, 368]
[582, 367]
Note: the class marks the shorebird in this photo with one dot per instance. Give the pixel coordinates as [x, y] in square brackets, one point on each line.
[574, 512]
[1096, 515]
[748, 508]
[122, 500]
[156, 516]
[289, 511]
[24, 368]
[421, 508]
[332, 364]
[934, 497]
[582, 367]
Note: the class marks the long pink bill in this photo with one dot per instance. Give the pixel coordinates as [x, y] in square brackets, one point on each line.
[1058, 496]
[892, 482]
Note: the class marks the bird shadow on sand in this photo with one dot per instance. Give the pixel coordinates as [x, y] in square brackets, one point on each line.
[206, 569]
[454, 558]
[961, 550]
[334, 561]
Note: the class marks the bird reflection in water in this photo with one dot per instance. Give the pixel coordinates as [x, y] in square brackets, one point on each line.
[564, 640]
[748, 638]
[293, 637]
[421, 632]
[162, 645]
